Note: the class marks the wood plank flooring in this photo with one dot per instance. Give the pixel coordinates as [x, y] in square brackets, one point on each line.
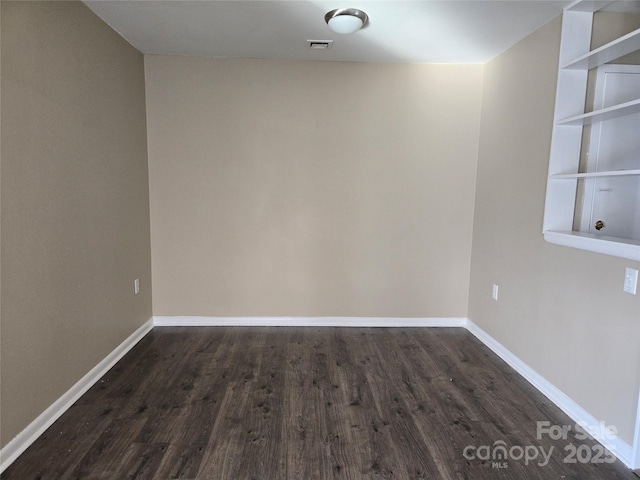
[286, 403]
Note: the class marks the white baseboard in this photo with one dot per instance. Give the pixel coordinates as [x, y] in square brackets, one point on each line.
[24, 439]
[622, 450]
[307, 322]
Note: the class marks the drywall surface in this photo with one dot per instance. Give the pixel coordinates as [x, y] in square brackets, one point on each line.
[561, 310]
[311, 188]
[75, 214]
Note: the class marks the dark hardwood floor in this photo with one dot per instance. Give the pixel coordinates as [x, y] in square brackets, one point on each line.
[310, 403]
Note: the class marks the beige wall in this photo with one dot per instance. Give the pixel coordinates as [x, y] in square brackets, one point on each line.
[311, 188]
[1, 442]
[607, 26]
[561, 310]
[75, 217]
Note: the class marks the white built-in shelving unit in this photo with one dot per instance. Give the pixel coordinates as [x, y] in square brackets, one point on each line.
[576, 59]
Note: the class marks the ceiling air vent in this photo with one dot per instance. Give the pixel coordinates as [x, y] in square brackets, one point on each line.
[320, 44]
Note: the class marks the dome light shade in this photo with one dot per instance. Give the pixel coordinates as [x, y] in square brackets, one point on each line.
[346, 20]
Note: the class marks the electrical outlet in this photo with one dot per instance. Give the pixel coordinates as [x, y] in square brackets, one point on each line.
[630, 280]
[494, 294]
[136, 286]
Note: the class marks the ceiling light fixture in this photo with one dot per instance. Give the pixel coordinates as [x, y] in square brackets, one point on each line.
[346, 20]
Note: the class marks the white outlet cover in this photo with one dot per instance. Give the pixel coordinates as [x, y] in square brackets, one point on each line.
[630, 280]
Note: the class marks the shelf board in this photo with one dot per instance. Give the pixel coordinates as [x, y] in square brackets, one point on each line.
[588, 5]
[618, 247]
[614, 173]
[615, 111]
[592, 6]
[616, 49]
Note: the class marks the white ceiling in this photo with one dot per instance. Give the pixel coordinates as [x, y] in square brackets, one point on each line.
[405, 31]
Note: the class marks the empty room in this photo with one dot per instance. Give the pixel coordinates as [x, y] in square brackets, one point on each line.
[306, 239]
